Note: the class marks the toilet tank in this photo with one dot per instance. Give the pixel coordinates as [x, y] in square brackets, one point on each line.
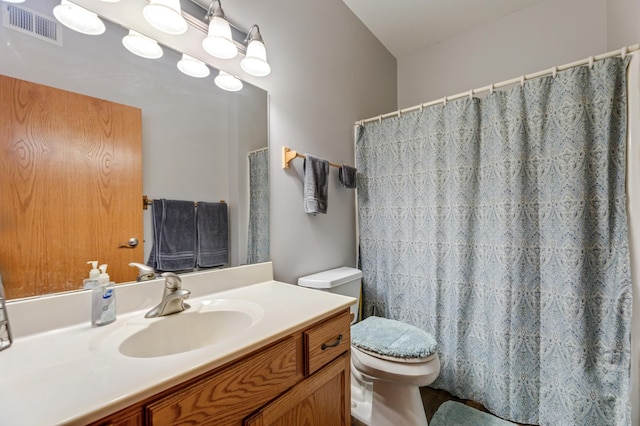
[344, 280]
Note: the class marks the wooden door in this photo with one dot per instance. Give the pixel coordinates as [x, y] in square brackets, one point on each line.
[321, 399]
[70, 187]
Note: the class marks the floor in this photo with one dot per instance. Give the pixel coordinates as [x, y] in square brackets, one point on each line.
[431, 399]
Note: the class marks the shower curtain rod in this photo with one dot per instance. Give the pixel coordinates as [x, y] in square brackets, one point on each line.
[490, 88]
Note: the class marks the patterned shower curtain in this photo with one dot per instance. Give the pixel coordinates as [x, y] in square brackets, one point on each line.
[258, 236]
[499, 226]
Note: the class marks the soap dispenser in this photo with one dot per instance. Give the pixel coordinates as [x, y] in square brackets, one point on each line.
[103, 300]
[92, 281]
[103, 277]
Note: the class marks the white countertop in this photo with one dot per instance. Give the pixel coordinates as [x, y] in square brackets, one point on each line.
[75, 374]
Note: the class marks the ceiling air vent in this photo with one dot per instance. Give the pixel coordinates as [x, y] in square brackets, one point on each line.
[32, 23]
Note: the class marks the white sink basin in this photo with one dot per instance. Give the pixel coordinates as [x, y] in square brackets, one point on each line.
[209, 323]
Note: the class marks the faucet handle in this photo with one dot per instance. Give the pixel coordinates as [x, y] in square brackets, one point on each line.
[171, 280]
[145, 272]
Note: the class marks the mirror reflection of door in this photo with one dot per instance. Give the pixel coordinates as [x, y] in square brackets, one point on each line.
[71, 192]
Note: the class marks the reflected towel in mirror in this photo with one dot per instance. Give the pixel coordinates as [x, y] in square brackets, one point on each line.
[213, 234]
[174, 236]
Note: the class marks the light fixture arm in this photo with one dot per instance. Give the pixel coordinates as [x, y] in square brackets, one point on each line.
[214, 11]
[254, 34]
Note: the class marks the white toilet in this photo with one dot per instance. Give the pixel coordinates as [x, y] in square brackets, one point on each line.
[390, 360]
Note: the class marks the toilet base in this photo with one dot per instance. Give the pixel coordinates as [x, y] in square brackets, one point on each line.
[383, 403]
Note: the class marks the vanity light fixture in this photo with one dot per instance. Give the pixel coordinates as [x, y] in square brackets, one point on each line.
[13, 1]
[142, 45]
[218, 41]
[193, 67]
[255, 60]
[165, 16]
[228, 82]
[78, 18]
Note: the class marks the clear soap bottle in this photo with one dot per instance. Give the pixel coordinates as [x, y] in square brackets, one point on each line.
[103, 300]
[94, 274]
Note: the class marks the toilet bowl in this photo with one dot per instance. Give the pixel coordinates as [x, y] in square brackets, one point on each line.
[390, 360]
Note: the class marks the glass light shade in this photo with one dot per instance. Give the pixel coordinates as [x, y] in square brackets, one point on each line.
[228, 82]
[218, 42]
[78, 18]
[13, 1]
[166, 16]
[193, 67]
[255, 61]
[142, 45]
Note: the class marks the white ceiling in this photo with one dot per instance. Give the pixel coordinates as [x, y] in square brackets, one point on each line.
[407, 26]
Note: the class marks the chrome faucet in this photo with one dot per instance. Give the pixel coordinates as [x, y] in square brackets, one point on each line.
[172, 299]
[145, 272]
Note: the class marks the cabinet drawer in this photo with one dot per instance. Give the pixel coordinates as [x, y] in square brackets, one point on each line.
[232, 393]
[326, 341]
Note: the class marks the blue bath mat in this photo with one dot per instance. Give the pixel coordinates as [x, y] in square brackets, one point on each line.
[453, 413]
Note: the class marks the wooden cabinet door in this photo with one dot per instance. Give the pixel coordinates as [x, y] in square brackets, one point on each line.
[227, 397]
[322, 399]
[71, 187]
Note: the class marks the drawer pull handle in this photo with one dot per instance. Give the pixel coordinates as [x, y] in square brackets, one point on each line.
[332, 345]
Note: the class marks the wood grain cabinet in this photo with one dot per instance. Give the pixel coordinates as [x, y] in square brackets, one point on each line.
[300, 379]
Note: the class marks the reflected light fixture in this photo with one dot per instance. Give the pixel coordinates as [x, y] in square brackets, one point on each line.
[78, 18]
[218, 41]
[166, 16]
[255, 61]
[193, 67]
[142, 45]
[228, 82]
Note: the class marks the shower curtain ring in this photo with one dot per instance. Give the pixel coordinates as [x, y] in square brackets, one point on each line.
[590, 62]
[623, 52]
[554, 72]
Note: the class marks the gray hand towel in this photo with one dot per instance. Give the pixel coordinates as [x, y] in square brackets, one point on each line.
[174, 236]
[347, 176]
[213, 234]
[316, 188]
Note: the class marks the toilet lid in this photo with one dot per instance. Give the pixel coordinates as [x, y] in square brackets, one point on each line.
[388, 338]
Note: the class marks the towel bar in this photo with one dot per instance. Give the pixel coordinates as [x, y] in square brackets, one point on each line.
[288, 154]
[146, 202]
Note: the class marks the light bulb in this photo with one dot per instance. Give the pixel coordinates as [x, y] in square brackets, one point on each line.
[166, 16]
[78, 18]
[218, 42]
[193, 67]
[228, 82]
[142, 45]
[255, 61]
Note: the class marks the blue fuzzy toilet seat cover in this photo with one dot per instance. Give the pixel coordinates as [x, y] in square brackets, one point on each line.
[390, 338]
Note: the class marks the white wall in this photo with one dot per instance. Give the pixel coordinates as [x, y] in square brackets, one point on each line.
[550, 33]
[328, 71]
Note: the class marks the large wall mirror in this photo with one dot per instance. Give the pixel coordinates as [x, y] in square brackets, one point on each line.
[196, 138]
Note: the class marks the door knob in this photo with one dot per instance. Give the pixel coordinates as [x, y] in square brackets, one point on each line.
[133, 242]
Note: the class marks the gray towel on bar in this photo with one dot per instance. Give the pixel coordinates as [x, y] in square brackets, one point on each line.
[316, 188]
[347, 176]
[213, 234]
[174, 236]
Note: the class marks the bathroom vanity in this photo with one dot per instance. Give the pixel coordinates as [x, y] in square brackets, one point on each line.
[280, 355]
